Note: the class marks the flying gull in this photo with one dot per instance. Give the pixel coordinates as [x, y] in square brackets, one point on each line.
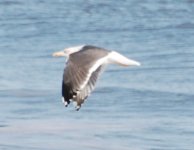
[83, 67]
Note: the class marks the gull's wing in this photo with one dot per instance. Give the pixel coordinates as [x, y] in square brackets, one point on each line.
[85, 92]
[79, 70]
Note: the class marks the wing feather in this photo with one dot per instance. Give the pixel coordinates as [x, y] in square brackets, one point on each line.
[73, 77]
[85, 92]
[81, 72]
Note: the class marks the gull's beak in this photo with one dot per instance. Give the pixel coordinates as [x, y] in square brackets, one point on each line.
[59, 54]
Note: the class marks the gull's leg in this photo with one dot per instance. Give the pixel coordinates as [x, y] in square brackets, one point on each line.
[76, 105]
[66, 103]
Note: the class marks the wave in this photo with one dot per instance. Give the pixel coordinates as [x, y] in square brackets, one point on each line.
[25, 93]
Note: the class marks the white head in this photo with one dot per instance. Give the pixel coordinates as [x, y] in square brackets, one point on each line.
[68, 51]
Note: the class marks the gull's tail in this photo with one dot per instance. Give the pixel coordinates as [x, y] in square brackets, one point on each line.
[116, 58]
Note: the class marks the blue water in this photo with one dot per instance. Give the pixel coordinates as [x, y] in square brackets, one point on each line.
[139, 108]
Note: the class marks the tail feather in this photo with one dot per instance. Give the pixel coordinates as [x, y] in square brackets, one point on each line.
[116, 58]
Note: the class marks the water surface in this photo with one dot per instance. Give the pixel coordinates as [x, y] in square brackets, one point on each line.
[138, 108]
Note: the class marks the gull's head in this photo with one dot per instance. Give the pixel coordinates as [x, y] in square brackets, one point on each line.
[68, 51]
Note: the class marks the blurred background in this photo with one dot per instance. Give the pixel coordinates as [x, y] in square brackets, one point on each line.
[137, 108]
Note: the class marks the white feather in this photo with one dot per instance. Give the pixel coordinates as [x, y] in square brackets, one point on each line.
[116, 58]
[72, 50]
[92, 69]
